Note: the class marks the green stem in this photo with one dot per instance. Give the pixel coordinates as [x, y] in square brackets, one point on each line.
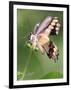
[27, 64]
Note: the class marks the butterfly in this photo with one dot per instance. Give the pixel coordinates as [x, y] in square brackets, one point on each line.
[39, 37]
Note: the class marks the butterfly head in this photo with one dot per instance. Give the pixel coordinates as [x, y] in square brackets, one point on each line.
[33, 40]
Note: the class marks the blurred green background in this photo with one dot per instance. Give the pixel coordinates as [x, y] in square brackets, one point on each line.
[32, 64]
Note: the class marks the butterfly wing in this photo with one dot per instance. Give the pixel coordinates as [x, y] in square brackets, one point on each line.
[50, 25]
[51, 50]
[36, 28]
[54, 27]
[43, 25]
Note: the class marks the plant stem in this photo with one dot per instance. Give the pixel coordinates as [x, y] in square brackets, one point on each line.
[27, 64]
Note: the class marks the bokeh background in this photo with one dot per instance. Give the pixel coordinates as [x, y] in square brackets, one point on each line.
[31, 64]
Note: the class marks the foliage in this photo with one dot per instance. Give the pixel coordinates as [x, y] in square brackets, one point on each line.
[31, 64]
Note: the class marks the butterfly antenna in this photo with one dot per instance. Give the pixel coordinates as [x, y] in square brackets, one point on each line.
[27, 36]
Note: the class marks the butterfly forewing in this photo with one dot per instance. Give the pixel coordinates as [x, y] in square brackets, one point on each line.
[43, 25]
